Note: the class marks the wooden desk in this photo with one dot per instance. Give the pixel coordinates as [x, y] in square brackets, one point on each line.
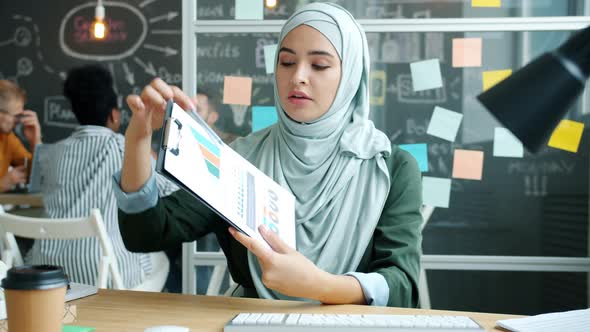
[34, 200]
[112, 310]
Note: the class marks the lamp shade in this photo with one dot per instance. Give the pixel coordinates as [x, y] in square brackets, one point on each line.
[531, 102]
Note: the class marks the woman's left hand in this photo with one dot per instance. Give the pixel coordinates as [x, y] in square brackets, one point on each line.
[284, 269]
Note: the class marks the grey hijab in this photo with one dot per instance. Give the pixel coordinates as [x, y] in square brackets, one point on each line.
[335, 165]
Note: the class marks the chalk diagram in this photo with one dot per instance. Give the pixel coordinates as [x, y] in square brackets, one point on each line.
[22, 37]
[133, 36]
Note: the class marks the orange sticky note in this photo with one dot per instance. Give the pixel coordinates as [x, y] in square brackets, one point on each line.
[486, 3]
[467, 52]
[468, 164]
[567, 136]
[491, 78]
[237, 90]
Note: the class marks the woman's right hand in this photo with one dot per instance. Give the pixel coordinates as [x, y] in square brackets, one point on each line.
[148, 109]
[147, 115]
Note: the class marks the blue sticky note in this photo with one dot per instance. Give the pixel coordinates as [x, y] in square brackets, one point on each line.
[73, 328]
[426, 75]
[444, 124]
[249, 10]
[506, 144]
[436, 191]
[263, 116]
[269, 58]
[419, 152]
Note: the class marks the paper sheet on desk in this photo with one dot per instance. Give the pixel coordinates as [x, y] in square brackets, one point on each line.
[216, 174]
[570, 321]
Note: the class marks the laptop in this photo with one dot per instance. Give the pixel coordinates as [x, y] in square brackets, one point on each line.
[35, 178]
[76, 291]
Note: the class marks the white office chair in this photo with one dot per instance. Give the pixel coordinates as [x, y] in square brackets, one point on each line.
[156, 280]
[423, 292]
[75, 228]
[216, 279]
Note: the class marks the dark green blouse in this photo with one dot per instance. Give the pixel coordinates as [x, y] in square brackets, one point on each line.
[394, 252]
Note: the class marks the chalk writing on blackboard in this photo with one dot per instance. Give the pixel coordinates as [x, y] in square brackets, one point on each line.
[58, 113]
[75, 39]
[535, 185]
[406, 94]
[548, 167]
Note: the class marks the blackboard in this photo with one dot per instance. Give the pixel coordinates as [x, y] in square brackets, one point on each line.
[40, 42]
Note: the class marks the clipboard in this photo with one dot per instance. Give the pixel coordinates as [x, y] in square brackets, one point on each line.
[192, 156]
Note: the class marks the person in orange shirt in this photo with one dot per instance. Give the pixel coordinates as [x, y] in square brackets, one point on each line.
[12, 151]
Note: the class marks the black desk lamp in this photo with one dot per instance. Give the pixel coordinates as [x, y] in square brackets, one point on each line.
[531, 101]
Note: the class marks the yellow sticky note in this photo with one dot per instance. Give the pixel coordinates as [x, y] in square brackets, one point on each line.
[237, 90]
[467, 52]
[567, 136]
[486, 3]
[491, 78]
[468, 164]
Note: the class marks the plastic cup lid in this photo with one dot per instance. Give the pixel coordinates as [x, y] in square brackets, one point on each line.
[35, 277]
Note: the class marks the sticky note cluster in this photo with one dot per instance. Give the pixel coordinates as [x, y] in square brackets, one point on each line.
[468, 164]
[493, 77]
[486, 3]
[249, 10]
[506, 144]
[419, 152]
[436, 191]
[263, 116]
[426, 75]
[237, 90]
[444, 124]
[567, 136]
[270, 52]
[467, 52]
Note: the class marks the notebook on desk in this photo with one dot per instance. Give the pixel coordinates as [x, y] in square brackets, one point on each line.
[78, 291]
[570, 321]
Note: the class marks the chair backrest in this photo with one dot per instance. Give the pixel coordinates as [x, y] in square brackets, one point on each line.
[49, 228]
[426, 211]
[423, 292]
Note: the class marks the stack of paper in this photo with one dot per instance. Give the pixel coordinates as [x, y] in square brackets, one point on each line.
[570, 321]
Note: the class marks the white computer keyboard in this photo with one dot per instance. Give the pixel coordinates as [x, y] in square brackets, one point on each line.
[251, 322]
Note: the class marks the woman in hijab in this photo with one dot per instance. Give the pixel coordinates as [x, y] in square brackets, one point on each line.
[357, 196]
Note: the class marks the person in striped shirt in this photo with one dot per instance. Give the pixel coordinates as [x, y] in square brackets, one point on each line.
[76, 175]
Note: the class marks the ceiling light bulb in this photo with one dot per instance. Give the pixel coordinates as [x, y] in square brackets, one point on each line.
[270, 3]
[99, 28]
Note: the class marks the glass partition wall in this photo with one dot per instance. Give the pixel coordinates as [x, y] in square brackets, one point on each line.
[535, 206]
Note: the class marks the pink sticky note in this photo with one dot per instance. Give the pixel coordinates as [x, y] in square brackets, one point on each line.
[237, 90]
[468, 164]
[467, 52]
